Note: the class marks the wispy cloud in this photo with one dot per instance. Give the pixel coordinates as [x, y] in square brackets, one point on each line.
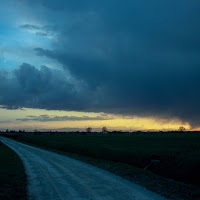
[46, 118]
[47, 30]
[4, 121]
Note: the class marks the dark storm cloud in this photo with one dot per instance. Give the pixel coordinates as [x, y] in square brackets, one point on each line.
[134, 57]
[47, 118]
[91, 70]
[40, 88]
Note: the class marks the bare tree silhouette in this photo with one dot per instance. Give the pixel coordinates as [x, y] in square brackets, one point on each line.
[89, 129]
[182, 129]
[104, 129]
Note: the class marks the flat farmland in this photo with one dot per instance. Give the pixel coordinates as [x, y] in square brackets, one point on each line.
[177, 155]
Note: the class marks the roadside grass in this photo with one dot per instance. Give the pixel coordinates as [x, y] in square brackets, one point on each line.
[178, 155]
[12, 175]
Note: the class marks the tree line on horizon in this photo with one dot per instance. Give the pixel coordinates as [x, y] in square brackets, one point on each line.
[89, 130]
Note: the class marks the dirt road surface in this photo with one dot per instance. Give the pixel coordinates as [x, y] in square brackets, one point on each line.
[55, 177]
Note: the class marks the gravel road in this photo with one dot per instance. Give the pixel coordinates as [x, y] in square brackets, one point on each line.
[55, 177]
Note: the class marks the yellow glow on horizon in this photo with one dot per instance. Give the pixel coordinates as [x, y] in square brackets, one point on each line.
[120, 124]
[117, 122]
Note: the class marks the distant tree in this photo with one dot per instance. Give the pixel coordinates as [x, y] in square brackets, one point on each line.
[104, 129]
[7, 131]
[35, 132]
[182, 129]
[89, 129]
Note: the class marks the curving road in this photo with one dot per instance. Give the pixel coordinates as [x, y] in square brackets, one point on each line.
[55, 177]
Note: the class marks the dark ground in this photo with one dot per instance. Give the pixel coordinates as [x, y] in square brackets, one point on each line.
[127, 155]
[12, 175]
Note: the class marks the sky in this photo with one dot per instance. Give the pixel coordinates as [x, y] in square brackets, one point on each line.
[126, 65]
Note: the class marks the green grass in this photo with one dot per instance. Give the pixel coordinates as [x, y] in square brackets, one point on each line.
[179, 153]
[12, 175]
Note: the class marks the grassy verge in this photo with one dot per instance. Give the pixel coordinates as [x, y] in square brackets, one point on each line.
[12, 175]
[178, 156]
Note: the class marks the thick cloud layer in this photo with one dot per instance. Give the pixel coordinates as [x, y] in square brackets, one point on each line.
[41, 88]
[128, 57]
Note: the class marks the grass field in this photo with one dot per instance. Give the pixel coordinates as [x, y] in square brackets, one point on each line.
[12, 175]
[178, 153]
